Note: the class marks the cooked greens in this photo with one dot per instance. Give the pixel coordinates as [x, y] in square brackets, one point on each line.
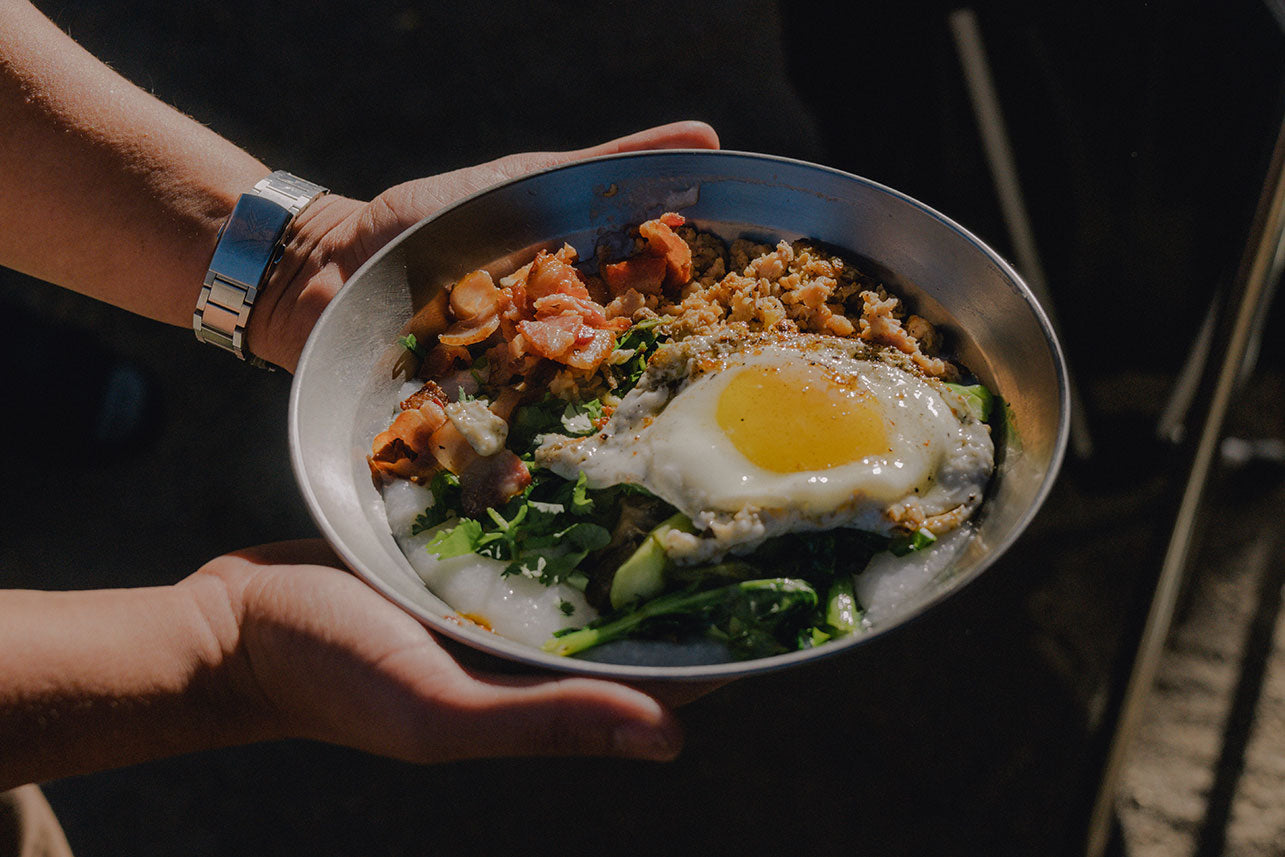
[748, 616]
[793, 591]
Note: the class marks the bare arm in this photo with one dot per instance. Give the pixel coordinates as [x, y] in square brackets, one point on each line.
[105, 189]
[109, 192]
[99, 679]
[277, 642]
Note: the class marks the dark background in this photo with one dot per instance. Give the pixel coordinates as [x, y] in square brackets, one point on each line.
[1142, 132]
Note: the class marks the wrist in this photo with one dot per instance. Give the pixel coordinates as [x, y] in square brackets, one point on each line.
[249, 245]
[91, 680]
[310, 272]
[223, 692]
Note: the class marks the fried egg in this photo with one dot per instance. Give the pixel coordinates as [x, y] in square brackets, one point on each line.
[752, 439]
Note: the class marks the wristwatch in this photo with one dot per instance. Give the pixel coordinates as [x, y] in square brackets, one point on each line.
[249, 245]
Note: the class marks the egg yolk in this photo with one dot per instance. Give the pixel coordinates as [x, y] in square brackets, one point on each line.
[795, 419]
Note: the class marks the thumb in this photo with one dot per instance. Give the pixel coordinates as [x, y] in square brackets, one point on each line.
[406, 204]
[675, 135]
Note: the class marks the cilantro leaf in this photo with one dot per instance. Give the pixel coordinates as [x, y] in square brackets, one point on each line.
[578, 419]
[461, 539]
[581, 502]
[445, 488]
[535, 419]
[544, 533]
[642, 339]
[411, 344]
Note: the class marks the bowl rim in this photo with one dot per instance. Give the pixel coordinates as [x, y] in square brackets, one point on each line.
[533, 657]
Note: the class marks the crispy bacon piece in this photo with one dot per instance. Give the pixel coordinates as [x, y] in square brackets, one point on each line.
[626, 305]
[553, 337]
[442, 358]
[552, 275]
[663, 242]
[587, 354]
[475, 303]
[470, 332]
[430, 319]
[431, 391]
[506, 402]
[505, 362]
[547, 310]
[405, 448]
[474, 296]
[598, 291]
[451, 448]
[644, 274]
[513, 308]
[593, 314]
[489, 481]
[544, 311]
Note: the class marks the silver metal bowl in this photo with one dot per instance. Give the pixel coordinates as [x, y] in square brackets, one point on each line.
[347, 380]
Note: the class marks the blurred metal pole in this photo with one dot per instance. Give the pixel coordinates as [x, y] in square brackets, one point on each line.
[1174, 417]
[1238, 313]
[1003, 167]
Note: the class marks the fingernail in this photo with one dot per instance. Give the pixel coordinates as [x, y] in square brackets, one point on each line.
[644, 742]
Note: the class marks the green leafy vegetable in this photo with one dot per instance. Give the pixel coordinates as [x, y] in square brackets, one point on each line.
[544, 533]
[445, 489]
[411, 344]
[842, 612]
[461, 539]
[579, 419]
[810, 638]
[642, 339]
[747, 615]
[918, 540]
[977, 398]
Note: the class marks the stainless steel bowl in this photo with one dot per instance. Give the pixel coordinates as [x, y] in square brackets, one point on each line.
[347, 380]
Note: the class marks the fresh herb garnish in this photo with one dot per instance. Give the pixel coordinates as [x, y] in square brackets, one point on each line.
[748, 616]
[544, 533]
[532, 420]
[445, 488]
[580, 419]
[480, 370]
[642, 339]
[411, 344]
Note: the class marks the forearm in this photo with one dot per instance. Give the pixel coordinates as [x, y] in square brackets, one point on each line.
[104, 189]
[100, 679]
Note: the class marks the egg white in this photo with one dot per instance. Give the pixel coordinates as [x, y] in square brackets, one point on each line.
[666, 437]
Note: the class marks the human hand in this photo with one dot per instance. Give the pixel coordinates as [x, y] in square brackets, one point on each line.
[335, 235]
[315, 653]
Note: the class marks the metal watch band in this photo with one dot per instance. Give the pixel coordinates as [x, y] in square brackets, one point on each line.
[249, 246]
